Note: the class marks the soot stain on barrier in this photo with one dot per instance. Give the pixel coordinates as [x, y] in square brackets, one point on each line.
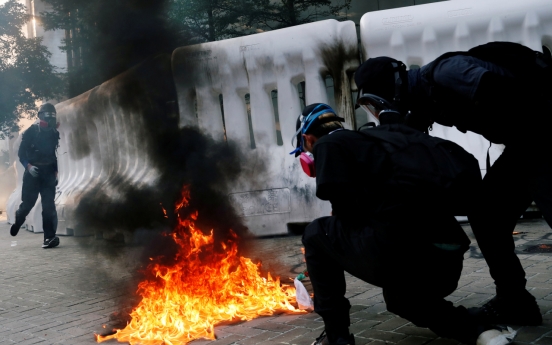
[334, 57]
[341, 62]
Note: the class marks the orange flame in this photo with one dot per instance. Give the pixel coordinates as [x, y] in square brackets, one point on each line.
[204, 288]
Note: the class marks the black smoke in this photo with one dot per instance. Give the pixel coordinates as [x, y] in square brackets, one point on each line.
[107, 37]
[144, 98]
[179, 156]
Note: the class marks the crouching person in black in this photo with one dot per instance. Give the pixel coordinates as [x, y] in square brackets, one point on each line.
[37, 153]
[380, 233]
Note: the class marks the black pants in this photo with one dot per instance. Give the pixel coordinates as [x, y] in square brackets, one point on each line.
[415, 276]
[522, 174]
[45, 185]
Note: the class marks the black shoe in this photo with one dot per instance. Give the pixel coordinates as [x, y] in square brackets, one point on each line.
[15, 228]
[521, 309]
[496, 336]
[50, 242]
[323, 340]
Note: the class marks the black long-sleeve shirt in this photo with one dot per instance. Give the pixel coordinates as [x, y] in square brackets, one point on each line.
[38, 147]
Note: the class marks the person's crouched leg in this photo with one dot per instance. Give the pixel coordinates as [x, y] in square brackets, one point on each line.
[433, 312]
[420, 296]
[327, 277]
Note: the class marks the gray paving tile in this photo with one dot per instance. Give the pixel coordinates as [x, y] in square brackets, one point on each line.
[530, 334]
[259, 338]
[274, 327]
[389, 337]
[63, 296]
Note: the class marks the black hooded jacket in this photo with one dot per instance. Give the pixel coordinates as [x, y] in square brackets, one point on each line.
[465, 92]
[38, 147]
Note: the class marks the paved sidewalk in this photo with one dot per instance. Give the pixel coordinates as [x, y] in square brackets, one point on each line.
[64, 295]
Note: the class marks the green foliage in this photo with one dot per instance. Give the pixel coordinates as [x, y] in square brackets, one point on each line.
[211, 20]
[25, 71]
[271, 15]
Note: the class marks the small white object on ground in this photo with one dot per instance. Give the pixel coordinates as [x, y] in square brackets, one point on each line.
[302, 296]
[496, 337]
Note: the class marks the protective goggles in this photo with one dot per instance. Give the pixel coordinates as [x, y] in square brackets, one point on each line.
[48, 114]
[373, 104]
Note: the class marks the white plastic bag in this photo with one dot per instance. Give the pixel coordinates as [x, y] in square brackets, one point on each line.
[496, 337]
[302, 295]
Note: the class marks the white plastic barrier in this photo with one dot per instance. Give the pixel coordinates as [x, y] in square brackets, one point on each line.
[15, 197]
[417, 35]
[7, 172]
[256, 65]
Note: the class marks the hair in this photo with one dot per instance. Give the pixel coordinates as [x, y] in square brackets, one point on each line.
[319, 130]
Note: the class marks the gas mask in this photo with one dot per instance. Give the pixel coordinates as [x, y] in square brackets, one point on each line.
[307, 164]
[47, 119]
[379, 109]
[371, 112]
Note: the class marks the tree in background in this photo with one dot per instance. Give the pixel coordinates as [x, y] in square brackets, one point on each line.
[271, 15]
[210, 20]
[106, 37]
[26, 75]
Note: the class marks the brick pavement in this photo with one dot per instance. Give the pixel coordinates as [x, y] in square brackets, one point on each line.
[64, 295]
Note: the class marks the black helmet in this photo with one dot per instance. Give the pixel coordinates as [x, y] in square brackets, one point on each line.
[46, 108]
[47, 114]
[384, 77]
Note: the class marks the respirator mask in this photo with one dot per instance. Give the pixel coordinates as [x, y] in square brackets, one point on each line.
[47, 119]
[379, 109]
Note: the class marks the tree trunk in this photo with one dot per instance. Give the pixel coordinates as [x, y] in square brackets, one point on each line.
[290, 4]
[212, 32]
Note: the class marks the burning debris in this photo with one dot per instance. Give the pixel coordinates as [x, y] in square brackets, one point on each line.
[208, 283]
[539, 248]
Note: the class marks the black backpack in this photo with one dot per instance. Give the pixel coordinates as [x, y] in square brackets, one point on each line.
[430, 166]
[529, 66]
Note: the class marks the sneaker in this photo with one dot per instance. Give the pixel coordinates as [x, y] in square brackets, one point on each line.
[522, 310]
[15, 229]
[50, 242]
[496, 336]
[323, 340]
